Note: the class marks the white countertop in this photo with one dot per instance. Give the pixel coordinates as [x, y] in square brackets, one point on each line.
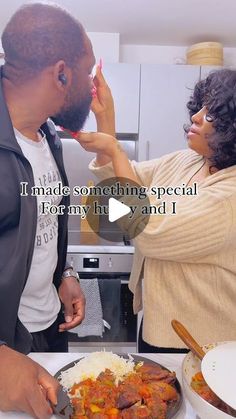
[54, 361]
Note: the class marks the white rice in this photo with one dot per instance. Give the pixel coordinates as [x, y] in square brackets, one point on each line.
[95, 363]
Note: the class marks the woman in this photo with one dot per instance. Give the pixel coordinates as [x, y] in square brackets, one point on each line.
[187, 261]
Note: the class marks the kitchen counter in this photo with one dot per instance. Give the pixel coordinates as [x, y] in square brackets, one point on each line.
[54, 361]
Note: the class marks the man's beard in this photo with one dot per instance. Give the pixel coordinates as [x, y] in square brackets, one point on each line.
[74, 116]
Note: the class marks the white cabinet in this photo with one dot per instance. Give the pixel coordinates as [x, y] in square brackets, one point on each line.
[165, 90]
[124, 81]
[206, 69]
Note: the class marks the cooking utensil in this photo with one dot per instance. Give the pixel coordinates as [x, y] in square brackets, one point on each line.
[218, 366]
[185, 336]
[173, 407]
[218, 369]
[63, 407]
[192, 365]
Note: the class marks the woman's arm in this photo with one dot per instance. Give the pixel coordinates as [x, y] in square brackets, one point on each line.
[107, 146]
[179, 237]
[103, 109]
[103, 142]
[202, 226]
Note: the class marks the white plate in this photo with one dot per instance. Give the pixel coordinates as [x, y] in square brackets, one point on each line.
[219, 370]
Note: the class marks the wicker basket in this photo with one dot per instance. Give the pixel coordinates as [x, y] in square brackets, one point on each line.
[205, 53]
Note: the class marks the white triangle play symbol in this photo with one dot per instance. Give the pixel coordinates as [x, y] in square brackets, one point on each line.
[116, 209]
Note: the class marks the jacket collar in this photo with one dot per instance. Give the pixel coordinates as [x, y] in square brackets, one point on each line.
[7, 135]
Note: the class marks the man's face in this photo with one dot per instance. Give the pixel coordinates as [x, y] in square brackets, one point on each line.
[76, 107]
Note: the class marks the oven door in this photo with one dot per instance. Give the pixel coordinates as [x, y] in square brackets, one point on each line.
[120, 324]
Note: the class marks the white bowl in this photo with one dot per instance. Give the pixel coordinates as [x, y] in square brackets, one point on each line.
[191, 365]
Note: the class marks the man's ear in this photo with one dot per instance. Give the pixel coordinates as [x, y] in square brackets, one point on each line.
[62, 75]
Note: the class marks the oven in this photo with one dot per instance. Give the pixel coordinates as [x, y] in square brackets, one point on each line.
[94, 257]
[111, 265]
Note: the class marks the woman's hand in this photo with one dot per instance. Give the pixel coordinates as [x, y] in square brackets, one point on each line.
[103, 105]
[102, 101]
[103, 108]
[109, 148]
[98, 142]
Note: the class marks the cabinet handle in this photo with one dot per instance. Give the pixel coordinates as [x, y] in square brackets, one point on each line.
[147, 149]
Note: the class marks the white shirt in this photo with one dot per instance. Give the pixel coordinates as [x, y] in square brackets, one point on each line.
[40, 304]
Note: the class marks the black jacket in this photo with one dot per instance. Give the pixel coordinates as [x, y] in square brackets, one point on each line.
[18, 217]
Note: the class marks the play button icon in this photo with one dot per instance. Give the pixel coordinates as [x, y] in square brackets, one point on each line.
[116, 210]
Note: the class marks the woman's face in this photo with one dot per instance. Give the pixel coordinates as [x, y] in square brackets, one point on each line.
[200, 131]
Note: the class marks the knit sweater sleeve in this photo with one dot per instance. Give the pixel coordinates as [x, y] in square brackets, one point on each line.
[144, 170]
[200, 227]
[202, 223]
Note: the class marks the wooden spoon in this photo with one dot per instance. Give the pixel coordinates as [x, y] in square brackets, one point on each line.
[185, 336]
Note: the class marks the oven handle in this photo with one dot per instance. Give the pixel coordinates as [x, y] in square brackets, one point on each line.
[122, 281]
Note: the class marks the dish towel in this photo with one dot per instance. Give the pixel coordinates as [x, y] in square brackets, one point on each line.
[110, 291]
[92, 325]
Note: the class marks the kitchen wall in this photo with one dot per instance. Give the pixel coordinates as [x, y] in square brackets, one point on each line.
[106, 46]
[160, 54]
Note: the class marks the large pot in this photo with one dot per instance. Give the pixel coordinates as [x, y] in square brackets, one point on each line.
[191, 365]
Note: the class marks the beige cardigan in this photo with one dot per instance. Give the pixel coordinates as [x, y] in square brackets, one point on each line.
[189, 259]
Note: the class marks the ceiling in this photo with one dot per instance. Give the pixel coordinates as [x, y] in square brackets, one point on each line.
[149, 22]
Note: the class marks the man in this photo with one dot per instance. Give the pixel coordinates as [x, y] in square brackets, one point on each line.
[48, 62]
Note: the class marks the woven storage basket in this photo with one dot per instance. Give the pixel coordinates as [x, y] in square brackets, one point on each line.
[205, 53]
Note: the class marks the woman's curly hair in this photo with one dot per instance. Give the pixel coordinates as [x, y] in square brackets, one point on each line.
[218, 93]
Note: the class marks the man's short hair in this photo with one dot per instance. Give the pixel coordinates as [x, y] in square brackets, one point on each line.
[37, 36]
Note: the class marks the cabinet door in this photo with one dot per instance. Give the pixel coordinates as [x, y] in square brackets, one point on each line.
[206, 69]
[124, 81]
[165, 90]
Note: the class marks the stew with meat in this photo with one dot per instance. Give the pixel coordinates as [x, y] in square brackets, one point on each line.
[145, 393]
[200, 386]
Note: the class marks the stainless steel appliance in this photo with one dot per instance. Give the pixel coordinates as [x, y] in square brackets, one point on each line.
[76, 161]
[108, 261]
[111, 264]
